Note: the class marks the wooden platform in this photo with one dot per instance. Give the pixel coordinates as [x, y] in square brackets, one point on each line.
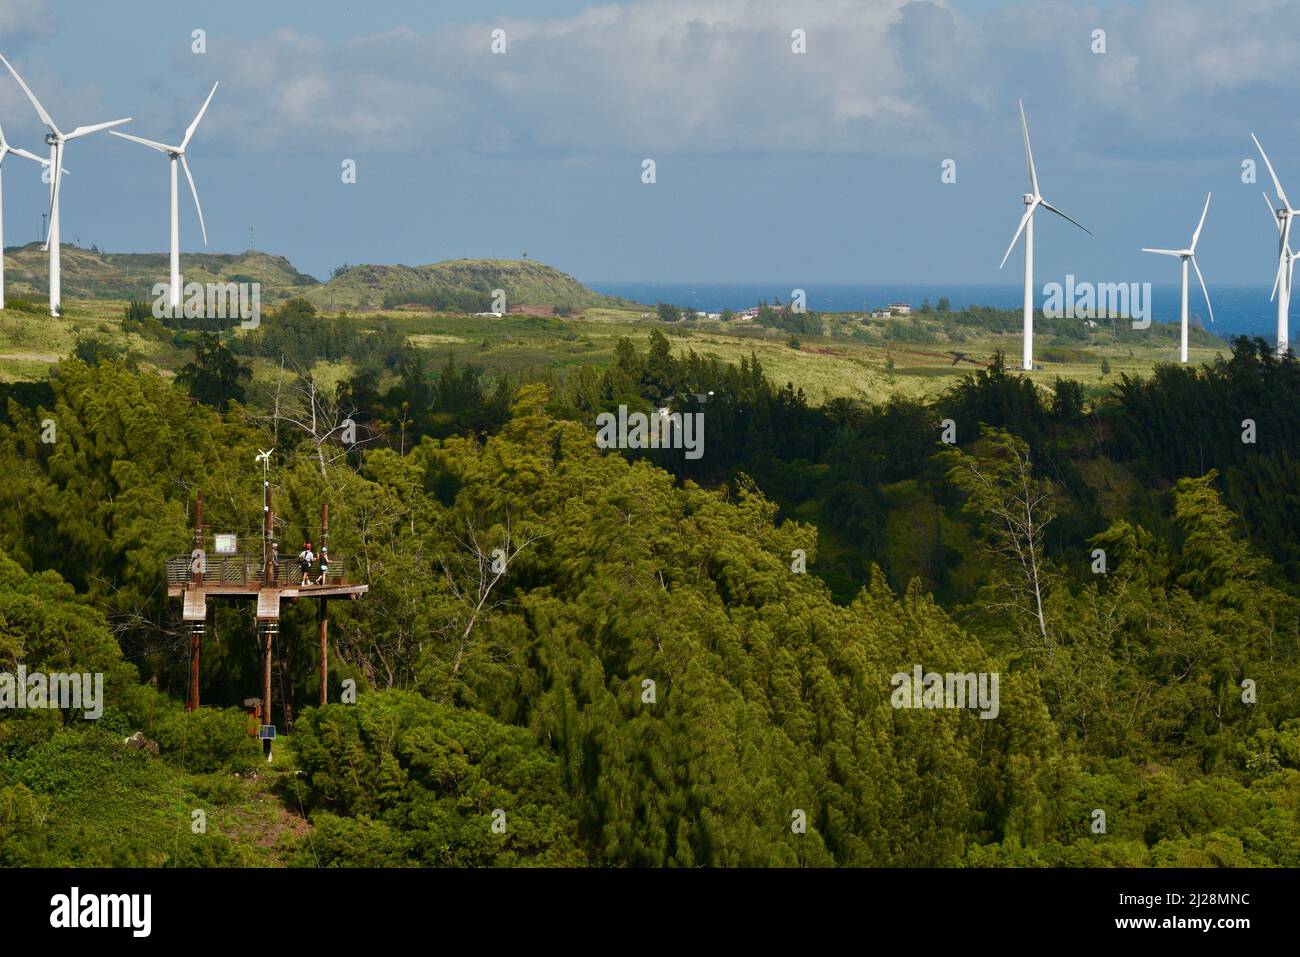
[268, 599]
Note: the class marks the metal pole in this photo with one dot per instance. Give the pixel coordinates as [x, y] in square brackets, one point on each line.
[196, 632]
[324, 606]
[197, 569]
[268, 566]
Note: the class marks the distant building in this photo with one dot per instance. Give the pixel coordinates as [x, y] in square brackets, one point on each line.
[900, 308]
[880, 313]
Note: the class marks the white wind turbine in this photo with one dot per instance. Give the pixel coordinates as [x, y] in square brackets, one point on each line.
[1032, 201]
[1287, 254]
[1282, 284]
[1186, 255]
[57, 139]
[176, 153]
[5, 150]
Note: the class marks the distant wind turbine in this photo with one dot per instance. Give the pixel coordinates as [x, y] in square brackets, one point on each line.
[1186, 255]
[1032, 201]
[178, 153]
[1285, 259]
[5, 150]
[57, 140]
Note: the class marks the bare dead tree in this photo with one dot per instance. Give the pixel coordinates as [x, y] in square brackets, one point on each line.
[1016, 509]
[473, 576]
[328, 425]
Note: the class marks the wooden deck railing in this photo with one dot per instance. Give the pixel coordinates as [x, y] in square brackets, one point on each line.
[247, 570]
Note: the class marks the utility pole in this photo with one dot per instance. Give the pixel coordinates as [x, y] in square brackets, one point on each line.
[324, 605]
[252, 238]
[43, 218]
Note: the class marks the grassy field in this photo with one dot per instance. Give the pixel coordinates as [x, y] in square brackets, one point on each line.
[861, 360]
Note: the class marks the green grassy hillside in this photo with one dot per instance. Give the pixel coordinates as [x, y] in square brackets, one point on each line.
[526, 283]
[91, 274]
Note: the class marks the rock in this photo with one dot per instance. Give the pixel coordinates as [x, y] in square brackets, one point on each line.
[138, 740]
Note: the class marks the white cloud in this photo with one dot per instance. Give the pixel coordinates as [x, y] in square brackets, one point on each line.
[662, 76]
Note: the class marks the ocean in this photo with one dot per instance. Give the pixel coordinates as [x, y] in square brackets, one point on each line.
[1238, 310]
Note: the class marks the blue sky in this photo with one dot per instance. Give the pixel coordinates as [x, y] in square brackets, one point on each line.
[821, 167]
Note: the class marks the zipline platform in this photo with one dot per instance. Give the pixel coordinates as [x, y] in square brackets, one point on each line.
[241, 576]
[227, 573]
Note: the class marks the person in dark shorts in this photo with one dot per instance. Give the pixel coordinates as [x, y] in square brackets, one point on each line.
[305, 559]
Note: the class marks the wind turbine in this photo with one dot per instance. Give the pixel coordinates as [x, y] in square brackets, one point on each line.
[1186, 255]
[57, 140]
[1282, 285]
[1032, 201]
[5, 150]
[1287, 254]
[178, 153]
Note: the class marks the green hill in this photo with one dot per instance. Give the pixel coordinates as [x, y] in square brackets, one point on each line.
[461, 284]
[91, 274]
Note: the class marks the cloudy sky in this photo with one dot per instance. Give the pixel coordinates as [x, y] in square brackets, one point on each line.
[816, 167]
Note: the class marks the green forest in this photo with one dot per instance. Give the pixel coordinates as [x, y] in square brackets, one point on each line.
[675, 662]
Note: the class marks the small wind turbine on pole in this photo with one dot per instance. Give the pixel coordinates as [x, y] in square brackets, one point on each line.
[1189, 255]
[176, 153]
[1032, 201]
[1285, 259]
[57, 139]
[5, 150]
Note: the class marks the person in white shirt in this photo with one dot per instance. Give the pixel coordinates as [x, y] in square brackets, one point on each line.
[305, 559]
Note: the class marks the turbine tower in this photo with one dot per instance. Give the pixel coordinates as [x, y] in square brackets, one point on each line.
[1186, 255]
[1287, 253]
[57, 139]
[1032, 201]
[5, 150]
[1282, 284]
[176, 153]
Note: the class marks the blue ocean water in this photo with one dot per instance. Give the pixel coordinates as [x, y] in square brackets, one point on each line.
[1238, 310]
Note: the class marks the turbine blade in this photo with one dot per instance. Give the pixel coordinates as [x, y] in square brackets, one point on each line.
[83, 130]
[43, 160]
[195, 193]
[160, 147]
[1047, 205]
[40, 110]
[1281, 194]
[1163, 252]
[1277, 277]
[1197, 235]
[1029, 153]
[195, 125]
[1020, 229]
[3, 144]
[1203, 289]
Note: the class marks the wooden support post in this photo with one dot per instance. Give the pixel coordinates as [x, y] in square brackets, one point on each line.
[196, 644]
[324, 650]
